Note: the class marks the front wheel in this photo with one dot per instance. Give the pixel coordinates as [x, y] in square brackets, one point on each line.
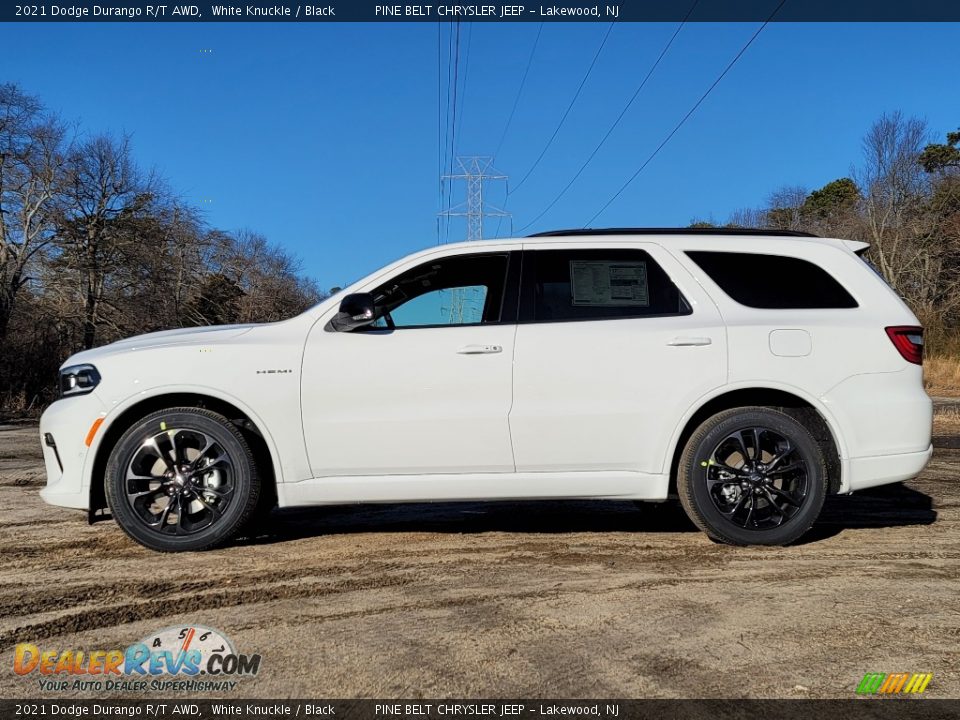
[182, 479]
[752, 476]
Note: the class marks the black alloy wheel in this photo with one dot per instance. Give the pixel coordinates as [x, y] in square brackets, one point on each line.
[752, 476]
[182, 479]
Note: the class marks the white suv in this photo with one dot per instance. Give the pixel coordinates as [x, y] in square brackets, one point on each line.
[749, 373]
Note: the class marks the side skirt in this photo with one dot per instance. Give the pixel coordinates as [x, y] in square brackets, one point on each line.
[611, 485]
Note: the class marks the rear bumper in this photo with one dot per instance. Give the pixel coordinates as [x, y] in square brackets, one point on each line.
[869, 472]
[884, 422]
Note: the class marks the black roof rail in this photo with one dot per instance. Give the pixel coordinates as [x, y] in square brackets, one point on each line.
[673, 231]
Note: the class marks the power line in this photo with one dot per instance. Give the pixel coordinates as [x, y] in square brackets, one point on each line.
[566, 112]
[516, 100]
[620, 117]
[447, 161]
[466, 76]
[563, 119]
[457, 119]
[456, 85]
[453, 119]
[689, 113]
[441, 160]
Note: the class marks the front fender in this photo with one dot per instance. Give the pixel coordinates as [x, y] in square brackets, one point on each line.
[121, 412]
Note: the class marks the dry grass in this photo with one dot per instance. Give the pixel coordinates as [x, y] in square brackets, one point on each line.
[946, 420]
[941, 376]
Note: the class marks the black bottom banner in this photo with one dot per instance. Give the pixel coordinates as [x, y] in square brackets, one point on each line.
[874, 708]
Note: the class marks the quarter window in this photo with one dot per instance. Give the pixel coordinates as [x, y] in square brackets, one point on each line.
[459, 290]
[563, 285]
[773, 282]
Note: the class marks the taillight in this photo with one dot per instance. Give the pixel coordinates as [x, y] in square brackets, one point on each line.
[908, 339]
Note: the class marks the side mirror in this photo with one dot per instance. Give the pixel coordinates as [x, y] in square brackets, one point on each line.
[356, 310]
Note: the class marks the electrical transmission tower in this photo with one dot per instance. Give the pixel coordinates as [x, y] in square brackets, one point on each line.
[466, 304]
[475, 170]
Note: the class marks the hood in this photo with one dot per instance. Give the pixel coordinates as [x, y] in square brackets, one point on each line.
[207, 335]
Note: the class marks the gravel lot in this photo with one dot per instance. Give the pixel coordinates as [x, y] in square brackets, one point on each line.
[547, 599]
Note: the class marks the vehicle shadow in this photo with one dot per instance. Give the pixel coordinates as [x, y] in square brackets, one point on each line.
[888, 506]
[895, 505]
[531, 516]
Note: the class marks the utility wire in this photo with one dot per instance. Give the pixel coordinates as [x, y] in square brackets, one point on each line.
[466, 76]
[456, 85]
[687, 116]
[457, 119]
[553, 137]
[453, 119]
[441, 160]
[516, 100]
[446, 133]
[566, 112]
[620, 117]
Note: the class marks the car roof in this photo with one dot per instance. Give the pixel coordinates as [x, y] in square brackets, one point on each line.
[680, 238]
[580, 232]
[665, 236]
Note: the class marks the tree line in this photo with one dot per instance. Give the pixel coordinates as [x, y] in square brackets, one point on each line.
[93, 248]
[902, 197]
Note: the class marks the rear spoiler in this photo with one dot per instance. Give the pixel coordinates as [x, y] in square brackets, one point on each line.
[858, 248]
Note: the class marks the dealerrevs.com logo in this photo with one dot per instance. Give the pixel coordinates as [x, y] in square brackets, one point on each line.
[189, 659]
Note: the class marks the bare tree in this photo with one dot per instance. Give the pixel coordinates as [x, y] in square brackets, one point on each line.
[105, 200]
[153, 287]
[93, 249]
[31, 165]
[250, 280]
[747, 218]
[894, 185]
[785, 208]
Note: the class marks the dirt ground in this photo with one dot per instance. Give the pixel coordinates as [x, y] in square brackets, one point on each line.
[547, 599]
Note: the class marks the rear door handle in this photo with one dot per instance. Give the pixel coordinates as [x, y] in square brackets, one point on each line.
[480, 349]
[690, 341]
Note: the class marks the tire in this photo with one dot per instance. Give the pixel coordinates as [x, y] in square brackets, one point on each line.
[182, 479]
[261, 520]
[738, 498]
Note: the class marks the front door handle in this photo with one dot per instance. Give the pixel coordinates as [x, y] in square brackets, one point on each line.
[480, 349]
[690, 341]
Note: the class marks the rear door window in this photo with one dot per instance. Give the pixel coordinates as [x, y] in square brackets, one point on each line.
[577, 284]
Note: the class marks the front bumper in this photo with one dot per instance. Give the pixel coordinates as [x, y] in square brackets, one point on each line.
[67, 422]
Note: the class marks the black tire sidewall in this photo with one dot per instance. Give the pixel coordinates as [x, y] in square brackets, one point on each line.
[246, 483]
[695, 495]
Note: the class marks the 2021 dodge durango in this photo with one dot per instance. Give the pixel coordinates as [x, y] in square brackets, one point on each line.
[750, 374]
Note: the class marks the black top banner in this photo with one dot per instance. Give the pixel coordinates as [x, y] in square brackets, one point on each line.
[567, 11]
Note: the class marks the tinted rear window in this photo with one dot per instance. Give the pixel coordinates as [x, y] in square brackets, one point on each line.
[773, 281]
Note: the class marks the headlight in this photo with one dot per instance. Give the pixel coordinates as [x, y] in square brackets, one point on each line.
[78, 379]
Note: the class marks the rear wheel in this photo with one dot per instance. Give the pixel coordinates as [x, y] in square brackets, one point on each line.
[182, 479]
[752, 476]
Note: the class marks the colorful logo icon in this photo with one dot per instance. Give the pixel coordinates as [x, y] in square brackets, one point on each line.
[893, 683]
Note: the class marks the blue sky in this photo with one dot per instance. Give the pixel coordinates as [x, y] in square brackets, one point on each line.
[324, 136]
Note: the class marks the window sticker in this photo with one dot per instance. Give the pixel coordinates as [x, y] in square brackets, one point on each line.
[601, 283]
